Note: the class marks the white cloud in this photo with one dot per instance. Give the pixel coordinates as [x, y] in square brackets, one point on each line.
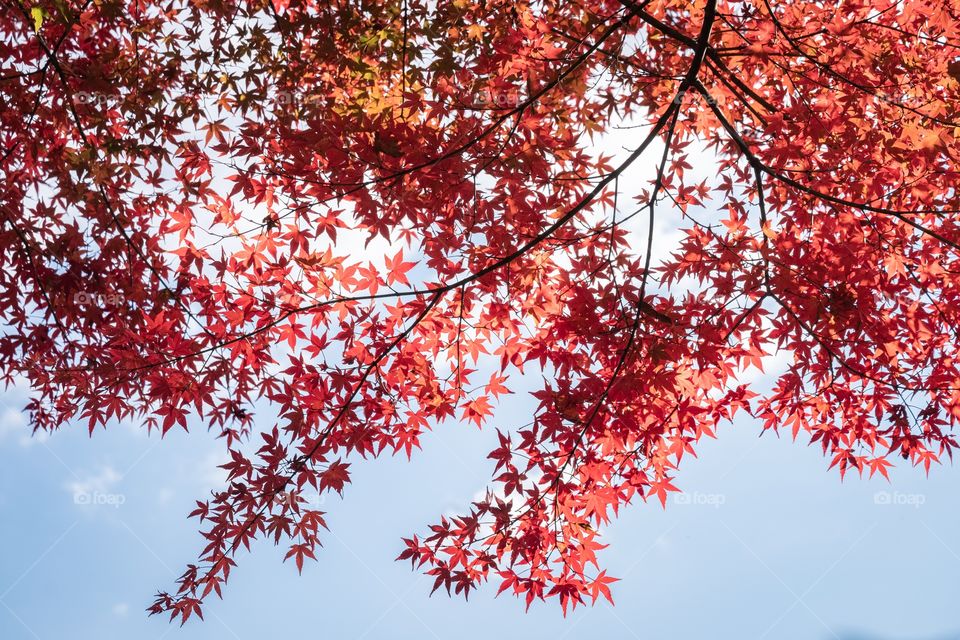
[14, 427]
[165, 495]
[12, 422]
[208, 472]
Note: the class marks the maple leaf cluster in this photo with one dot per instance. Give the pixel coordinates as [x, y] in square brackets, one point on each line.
[323, 229]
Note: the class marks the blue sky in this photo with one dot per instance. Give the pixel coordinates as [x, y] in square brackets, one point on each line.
[767, 544]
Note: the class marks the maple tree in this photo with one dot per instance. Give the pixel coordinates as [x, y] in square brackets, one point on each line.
[185, 184]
